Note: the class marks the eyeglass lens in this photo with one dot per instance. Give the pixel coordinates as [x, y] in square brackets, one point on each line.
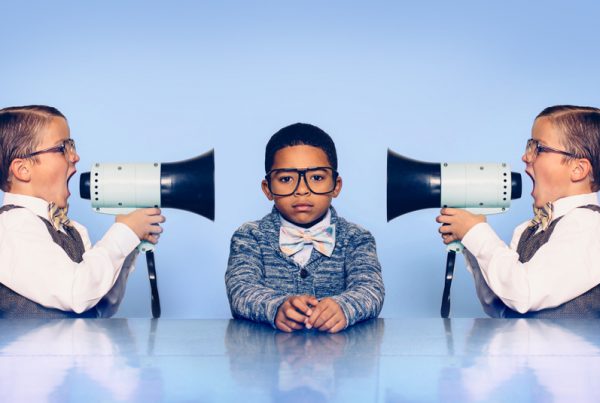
[319, 180]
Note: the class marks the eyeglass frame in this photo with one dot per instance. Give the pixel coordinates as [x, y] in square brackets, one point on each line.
[301, 174]
[62, 148]
[544, 149]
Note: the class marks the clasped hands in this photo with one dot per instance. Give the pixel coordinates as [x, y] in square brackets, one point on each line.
[306, 311]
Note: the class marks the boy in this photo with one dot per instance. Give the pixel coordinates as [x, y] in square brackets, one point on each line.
[552, 267]
[48, 267]
[302, 266]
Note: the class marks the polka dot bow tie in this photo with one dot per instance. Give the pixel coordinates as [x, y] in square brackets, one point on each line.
[543, 216]
[58, 216]
[292, 240]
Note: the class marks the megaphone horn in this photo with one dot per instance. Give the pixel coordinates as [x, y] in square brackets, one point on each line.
[185, 185]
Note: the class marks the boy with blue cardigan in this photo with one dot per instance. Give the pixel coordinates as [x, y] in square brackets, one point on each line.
[303, 266]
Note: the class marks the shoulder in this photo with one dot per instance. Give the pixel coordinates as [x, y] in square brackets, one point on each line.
[581, 219]
[354, 233]
[19, 219]
[258, 230]
[247, 229]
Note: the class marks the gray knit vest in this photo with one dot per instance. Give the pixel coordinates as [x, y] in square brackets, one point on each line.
[14, 305]
[586, 305]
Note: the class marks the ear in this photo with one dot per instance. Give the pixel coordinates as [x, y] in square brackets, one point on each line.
[265, 189]
[20, 169]
[582, 169]
[338, 187]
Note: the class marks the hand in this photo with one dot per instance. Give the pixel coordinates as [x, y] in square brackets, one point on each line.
[144, 222]
[457, 223]
[327, 317]
[292, 314]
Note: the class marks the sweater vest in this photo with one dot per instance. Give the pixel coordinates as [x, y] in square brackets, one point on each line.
[587, 305]
[14, 305]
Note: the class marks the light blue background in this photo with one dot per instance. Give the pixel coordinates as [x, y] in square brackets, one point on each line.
[438, 81]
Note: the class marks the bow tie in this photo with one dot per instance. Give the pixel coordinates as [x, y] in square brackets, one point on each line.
[543, 216]
[292, 240]
[58, 216]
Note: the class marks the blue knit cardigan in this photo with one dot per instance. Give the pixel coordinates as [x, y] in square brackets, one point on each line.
[259, 277]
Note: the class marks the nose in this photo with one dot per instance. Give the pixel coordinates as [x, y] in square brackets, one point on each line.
[73, 157]
[302, 186]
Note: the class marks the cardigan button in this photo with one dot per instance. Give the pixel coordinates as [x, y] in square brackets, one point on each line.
[303, 273]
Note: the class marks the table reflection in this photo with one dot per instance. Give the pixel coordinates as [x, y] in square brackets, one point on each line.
[541, 360]
[143, 360]
[51, 360]
[305, 365]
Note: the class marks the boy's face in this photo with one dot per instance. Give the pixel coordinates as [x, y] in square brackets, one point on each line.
[303, 206]
[52, 171]
[551, 175]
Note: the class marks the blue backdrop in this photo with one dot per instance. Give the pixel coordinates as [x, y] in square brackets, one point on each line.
[145, 81]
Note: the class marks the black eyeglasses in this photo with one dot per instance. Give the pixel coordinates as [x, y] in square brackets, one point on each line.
[67, 147]
[285, 181]
[534, 147]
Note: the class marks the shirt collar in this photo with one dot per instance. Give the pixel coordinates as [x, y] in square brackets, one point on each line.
[564, 205]
[36, 205]
[323, 223]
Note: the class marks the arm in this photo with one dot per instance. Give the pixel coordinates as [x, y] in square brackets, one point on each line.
[562, 269]
[248, 297]
[35, 267]
[364, 294]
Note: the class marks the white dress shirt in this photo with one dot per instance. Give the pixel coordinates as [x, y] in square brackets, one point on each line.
[302, 256]
[565, 267]
[34, 266]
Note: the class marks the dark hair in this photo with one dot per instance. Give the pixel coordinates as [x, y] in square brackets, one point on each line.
[19, 127]
[300, 134]
[580, 126]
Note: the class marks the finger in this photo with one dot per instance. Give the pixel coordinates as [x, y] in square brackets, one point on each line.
[300, 304]
[154, 229]
[282, 326]
[330, 323]
[293, 325]
[445, 229]
[316, 313]
[156, 219]
[338, 326]
[313, 301]
[327, 314]
[292, 314]
[449, 239]
[445, 219]
[153, 239]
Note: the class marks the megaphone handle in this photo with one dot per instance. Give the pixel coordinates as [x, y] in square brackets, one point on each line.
[445, 310]
[155, 300]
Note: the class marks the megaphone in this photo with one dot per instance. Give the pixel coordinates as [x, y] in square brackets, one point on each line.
[485, 188]
[116, 188]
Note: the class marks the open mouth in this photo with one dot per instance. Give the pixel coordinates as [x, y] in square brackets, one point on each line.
[69, 179]
[532, 179]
